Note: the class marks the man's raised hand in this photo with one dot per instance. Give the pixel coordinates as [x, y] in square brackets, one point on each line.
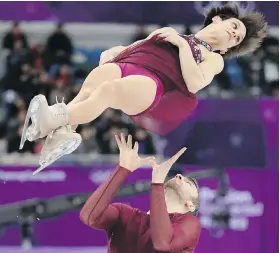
[129, 158]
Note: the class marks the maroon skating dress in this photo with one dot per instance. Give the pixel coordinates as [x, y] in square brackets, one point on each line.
[161, 59]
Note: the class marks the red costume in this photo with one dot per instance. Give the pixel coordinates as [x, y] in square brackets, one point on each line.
[131, 230]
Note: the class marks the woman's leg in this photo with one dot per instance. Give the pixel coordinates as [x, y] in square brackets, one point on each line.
[95, 78]
[131, 94]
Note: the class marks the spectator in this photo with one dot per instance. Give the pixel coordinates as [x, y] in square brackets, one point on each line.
[14, 134]
[59, 47]
[274, 89]
[89, 143]
[27, 82]
[35, 57]
[117, 120]
[223, 79]
[187, 30]
[43, 84]
[113, 118]
[58, 93]
[270, 47]
[16, 56]
[13, 103]
[14, 35]
[107, 143]
[140, 34]
[145, 141]
[63, 75]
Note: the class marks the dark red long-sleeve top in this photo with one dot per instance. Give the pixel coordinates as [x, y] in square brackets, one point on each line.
[131, 230]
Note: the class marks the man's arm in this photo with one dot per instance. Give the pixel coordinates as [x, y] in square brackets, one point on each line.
[97, 211]
[165, 235]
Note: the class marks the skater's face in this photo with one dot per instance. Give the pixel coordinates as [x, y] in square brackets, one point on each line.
[229, 33]
[185, 189]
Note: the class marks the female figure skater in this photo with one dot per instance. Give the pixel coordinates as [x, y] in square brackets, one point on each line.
[154, 81]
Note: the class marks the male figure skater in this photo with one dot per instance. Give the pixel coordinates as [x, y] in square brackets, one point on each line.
[169, 226]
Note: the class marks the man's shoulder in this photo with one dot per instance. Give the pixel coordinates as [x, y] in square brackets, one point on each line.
[124, 208]
[188, 218]
[130, 215]
[188, 222]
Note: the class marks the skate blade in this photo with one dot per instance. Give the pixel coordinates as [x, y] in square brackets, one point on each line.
[31, 114]
[51, 158]
[64, 148]
[40, 169]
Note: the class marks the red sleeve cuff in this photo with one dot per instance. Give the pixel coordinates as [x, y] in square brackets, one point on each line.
[122, 170]
[157, 184]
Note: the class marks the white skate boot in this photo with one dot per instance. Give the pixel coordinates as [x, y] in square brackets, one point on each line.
[62, 141]
[45, 119]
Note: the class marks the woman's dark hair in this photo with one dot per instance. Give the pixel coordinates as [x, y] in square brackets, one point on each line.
[254, 21]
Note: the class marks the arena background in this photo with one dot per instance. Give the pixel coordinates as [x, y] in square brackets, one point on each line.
[232, 137]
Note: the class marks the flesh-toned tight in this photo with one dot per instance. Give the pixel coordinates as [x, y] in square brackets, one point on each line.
[118, 86]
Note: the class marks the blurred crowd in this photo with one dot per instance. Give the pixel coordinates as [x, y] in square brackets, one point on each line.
[48, 69]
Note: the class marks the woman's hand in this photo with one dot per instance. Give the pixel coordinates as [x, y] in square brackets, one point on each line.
[110, 54]
[173, 38]
[161, 31]
[105, 57]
